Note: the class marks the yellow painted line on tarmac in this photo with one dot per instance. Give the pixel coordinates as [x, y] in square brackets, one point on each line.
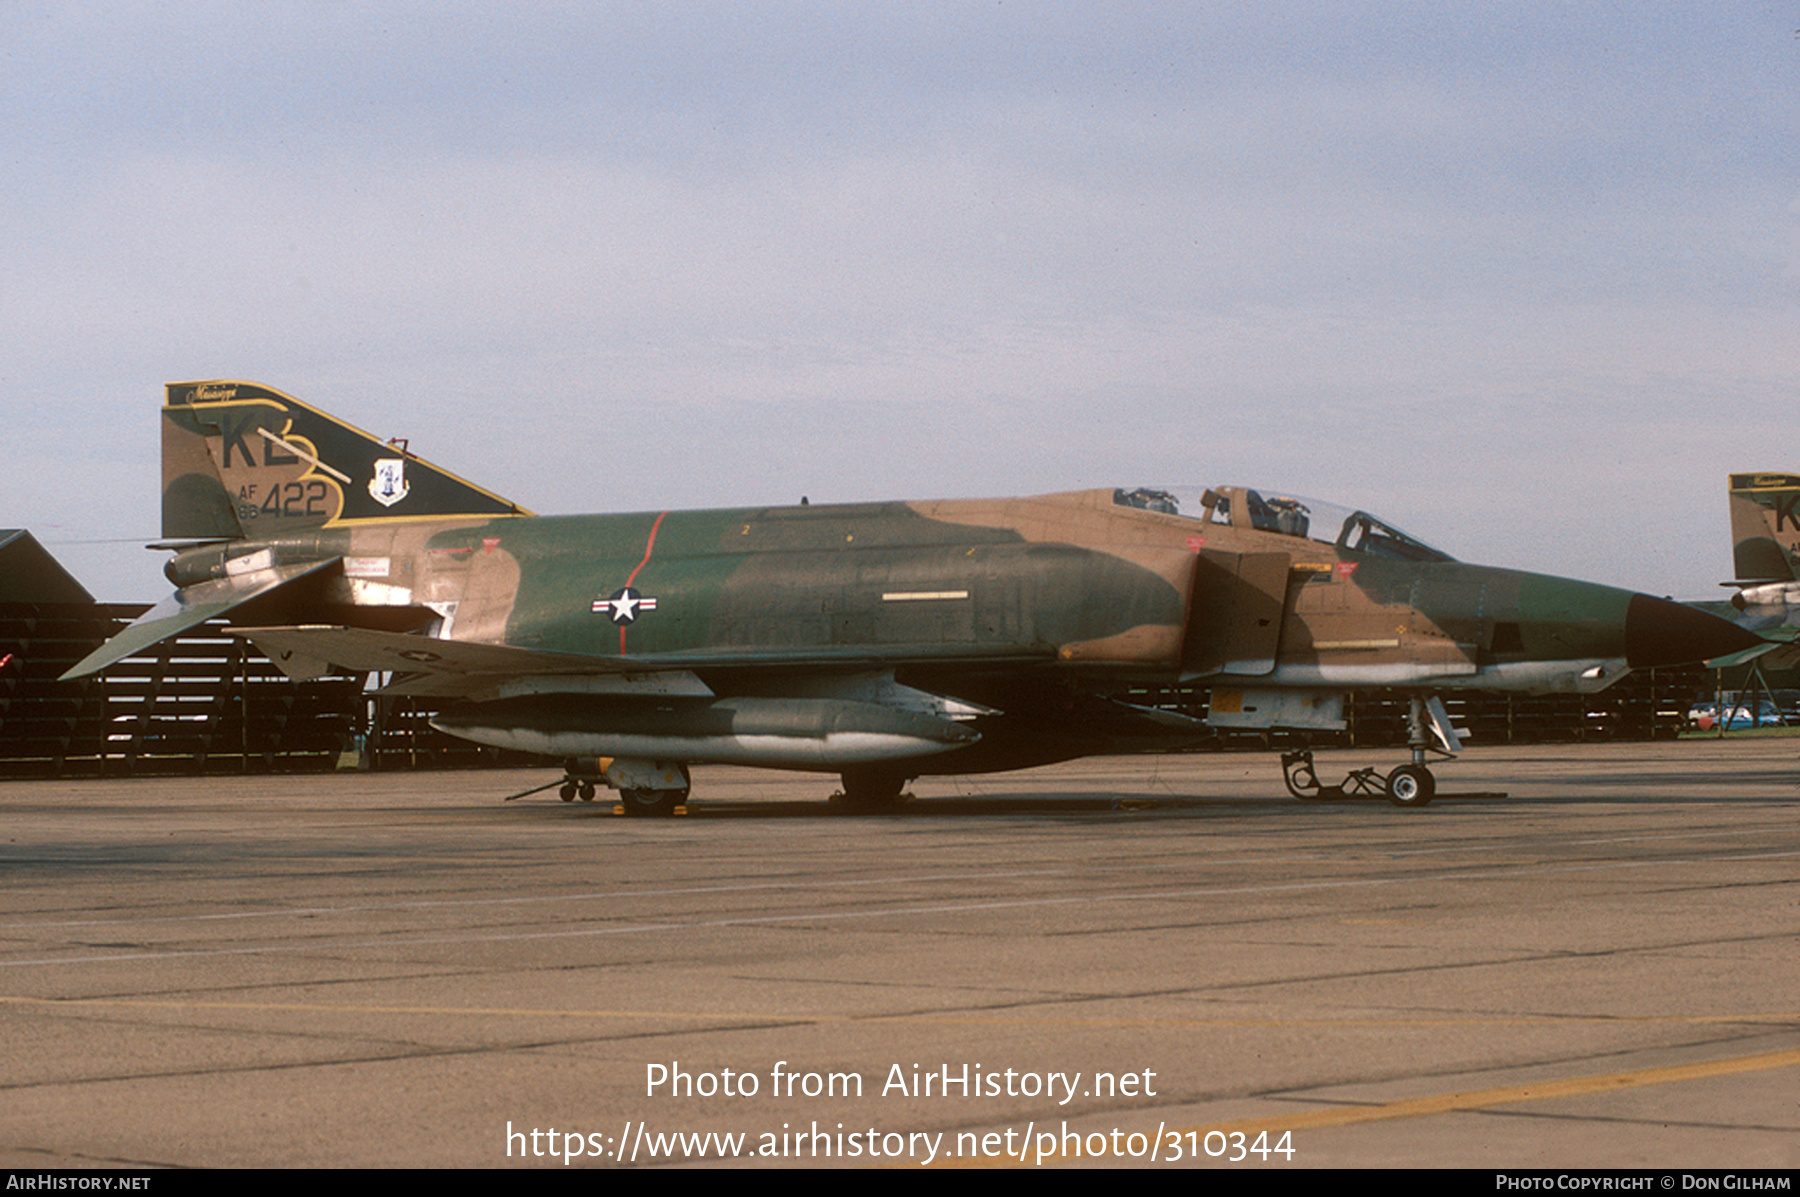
[1274, 1123]
[1422, 1107]
[1481, 1099]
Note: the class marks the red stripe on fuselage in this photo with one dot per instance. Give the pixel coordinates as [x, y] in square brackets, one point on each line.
[649, 547]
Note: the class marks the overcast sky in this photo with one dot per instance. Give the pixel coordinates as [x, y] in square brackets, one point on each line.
[1520, 277]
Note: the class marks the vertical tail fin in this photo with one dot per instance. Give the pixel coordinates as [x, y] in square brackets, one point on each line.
[243, 460]
[1765, 527]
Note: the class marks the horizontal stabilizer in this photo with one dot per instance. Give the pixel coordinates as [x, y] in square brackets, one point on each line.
[190, 607]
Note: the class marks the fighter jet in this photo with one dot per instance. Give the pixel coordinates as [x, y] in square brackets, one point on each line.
[1765, 542]
[877, 641]
[1765, 550]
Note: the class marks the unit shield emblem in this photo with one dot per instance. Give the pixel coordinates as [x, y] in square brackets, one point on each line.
[388, 486]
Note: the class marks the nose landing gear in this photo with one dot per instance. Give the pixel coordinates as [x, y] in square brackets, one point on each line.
[1407, 786]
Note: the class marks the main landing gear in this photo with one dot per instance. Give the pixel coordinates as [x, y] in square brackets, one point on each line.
[1409, 785]
[870, 789]
[650, 788]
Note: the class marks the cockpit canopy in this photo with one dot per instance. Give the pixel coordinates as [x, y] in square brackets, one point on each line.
[1285, 515]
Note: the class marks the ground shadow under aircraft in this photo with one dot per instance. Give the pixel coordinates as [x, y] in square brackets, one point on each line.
[1070, 805]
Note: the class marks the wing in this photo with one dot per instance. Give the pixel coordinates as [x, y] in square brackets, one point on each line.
[432, 667]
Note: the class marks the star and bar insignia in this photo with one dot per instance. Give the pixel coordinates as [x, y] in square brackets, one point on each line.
[625, 605]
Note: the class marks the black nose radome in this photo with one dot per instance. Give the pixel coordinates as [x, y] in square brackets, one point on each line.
[1659, 632]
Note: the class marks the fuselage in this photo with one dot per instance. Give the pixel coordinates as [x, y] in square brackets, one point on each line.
[1080, 581]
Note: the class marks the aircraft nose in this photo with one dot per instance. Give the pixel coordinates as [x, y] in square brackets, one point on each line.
[1660, 632]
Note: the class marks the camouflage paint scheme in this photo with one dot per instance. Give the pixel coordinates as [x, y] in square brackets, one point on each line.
[880, 640]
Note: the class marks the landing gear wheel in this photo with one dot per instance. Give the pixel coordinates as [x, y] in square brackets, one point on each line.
[567, 793]
[659, 804]
[1411, 785]
[587, 791]
[871, 790]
